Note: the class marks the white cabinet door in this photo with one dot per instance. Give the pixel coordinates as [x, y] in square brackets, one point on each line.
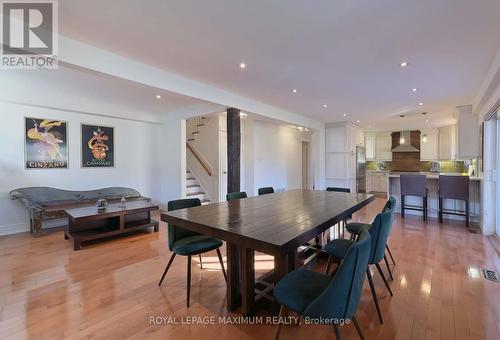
[429, 145]
[467, 133]
[337, 165]
[383, 182]
[447, 143]
[370, 146]
[383, 142]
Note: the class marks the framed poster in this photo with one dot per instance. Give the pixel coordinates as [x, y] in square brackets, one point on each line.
[97, 146]
[45, 143]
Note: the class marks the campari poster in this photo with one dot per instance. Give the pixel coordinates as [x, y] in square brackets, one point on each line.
[97, 146]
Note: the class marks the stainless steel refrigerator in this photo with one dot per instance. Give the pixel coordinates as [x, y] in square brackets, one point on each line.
[360, 170]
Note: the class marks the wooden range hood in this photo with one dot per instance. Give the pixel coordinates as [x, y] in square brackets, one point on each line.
[406, 161]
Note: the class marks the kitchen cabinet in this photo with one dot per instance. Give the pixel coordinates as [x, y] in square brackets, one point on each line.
[377, 181]
[467, 133]
[429, 145]
[447, 143]
[383, 143]
[370, 146]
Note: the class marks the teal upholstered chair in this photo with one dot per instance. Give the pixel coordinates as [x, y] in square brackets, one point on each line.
[315, 295]
[379, 231]
[236, 196]
[266, 190]
[188, 243]
[355, 228]
[344, 222]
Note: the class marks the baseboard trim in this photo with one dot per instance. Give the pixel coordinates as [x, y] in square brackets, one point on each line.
[14, 229]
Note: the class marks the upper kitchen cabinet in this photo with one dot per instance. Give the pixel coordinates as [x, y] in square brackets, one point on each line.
[429, 145]
[370, 146]
[383, 142]
[467, 133]
[447, 143]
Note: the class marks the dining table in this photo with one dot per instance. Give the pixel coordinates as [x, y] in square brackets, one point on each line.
[276, 224]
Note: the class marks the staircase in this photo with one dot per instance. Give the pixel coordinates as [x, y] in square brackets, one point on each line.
[193, 187]
[194, 190]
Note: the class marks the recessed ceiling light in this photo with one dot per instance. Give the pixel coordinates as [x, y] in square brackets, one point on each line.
[404, 64]
[345, 114]
[420, 104]
[427, 121]
[357, 120]
[414, 89]
[243, 114]
[294, 90]
[325, 105]
[243, 65]
[158, 96]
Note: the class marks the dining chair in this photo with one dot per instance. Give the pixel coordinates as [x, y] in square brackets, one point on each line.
[457, 188]
[414, 185]
[266, 190]
[188, 243]
[379, 231]
[355, 228]
[344, 221]
[323, 297]
[236, 196]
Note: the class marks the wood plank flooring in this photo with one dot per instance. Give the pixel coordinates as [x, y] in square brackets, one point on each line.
[109, 290]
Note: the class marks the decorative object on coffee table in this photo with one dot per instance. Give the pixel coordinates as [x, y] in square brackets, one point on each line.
[87, 223]
[101, 204]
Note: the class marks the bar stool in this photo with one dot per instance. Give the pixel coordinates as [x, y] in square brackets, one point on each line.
[414, 185]
[457, 188]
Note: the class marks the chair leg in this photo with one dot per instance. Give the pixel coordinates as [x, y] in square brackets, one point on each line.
[282, 314]
[424, 205]
[358, 329]
[188, 279]
[337, 332]
[390, 254]
[440, 210]
[467, 213]
[374, 294]
[201, 262]
[402, 206]
[221, 263]
[388, 268]
[328, 264]
[383, 278]
[167, 268]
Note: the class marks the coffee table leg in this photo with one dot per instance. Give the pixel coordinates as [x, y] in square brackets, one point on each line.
[233, 276]
[248, 281]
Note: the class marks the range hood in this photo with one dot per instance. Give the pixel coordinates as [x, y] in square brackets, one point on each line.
[405, 143]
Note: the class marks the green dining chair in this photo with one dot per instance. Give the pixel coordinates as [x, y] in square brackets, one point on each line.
[379, 231]
[266, 190]
[236, 196]
[323, 297]
[188, 243]
[356, 227]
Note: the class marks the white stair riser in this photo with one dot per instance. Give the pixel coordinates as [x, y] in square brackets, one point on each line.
[191, 182]
[200, 196]
[190, 190]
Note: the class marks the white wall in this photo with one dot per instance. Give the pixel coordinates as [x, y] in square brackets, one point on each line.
[273, 156]
[138, 146]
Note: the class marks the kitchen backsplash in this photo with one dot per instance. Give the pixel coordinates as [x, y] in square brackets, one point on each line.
[445, 166]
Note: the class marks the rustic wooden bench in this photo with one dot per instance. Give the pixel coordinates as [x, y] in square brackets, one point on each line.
[45, 203]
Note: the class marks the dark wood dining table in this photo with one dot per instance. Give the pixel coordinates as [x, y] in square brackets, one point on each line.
[275, 224]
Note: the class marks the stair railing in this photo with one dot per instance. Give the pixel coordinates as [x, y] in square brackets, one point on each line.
[192, 128]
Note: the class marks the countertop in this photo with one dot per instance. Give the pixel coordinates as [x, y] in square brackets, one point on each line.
[430, 175]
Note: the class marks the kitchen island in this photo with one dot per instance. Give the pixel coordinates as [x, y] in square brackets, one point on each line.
[394, 189]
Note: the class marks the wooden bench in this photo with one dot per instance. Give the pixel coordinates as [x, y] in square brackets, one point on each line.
[45, 203]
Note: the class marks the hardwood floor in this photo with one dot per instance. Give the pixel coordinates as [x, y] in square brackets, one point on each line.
[110, 289]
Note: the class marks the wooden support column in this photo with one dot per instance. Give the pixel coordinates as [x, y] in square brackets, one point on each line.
[233, 149]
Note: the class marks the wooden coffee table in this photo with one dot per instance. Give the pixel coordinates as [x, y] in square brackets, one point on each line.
[87, 223]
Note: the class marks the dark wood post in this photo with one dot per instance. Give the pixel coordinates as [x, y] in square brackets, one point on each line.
[233, 150]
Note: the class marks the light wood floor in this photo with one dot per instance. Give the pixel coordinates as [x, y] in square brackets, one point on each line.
[109, 289]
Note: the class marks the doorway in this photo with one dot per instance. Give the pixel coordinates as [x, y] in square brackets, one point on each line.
[306, 165]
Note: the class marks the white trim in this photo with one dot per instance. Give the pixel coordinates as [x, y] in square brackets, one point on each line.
[14, 229]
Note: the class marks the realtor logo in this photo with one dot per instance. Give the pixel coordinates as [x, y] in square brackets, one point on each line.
[29, 35]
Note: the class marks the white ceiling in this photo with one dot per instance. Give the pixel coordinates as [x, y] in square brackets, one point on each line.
[77, 89]
[344, 53]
